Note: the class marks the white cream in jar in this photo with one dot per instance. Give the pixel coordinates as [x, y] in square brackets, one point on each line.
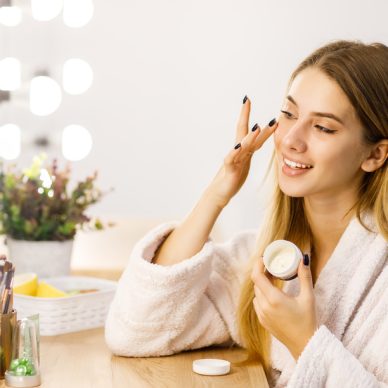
[281, 259]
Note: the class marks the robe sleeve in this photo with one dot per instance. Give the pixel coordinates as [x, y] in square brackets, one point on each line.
[161, 310]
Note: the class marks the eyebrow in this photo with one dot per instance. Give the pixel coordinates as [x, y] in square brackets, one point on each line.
[319, 114]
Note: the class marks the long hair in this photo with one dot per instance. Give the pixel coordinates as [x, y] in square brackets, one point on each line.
[361, 71]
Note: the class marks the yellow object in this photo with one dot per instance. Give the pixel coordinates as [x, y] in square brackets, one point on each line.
[46, 290]
[25, 284]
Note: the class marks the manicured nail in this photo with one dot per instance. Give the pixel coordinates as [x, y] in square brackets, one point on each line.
[255, 127]
[306, 259]
[245, 99]
[272, 122]
[237, 146]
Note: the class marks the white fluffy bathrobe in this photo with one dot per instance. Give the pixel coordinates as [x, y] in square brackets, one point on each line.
[161, 310]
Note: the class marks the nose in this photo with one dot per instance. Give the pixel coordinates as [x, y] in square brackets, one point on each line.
[294, 138]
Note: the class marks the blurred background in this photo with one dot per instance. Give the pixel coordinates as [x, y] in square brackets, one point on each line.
[148, 94]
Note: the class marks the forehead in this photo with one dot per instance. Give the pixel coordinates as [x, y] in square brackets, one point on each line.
[314, 91]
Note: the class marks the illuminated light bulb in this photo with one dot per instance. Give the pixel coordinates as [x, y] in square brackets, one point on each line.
[10, 141]
[45, 96]
[77, 142]
[10, 16]
[77, 13]
[77, 76]
[44, 10]
[10, 73]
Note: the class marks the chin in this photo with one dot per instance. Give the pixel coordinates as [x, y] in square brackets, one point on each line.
[296, 193]
[293, 189]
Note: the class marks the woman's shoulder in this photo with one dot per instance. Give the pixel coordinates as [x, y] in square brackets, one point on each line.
[368, 221]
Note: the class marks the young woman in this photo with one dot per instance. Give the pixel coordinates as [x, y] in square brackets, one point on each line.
[327, 327]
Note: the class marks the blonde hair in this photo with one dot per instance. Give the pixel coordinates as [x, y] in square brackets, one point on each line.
[362, 73]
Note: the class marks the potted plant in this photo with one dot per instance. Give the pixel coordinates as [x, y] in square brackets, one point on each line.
[40, 215]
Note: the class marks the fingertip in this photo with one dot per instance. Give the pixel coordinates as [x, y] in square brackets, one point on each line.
[306, 260]
[272, 122]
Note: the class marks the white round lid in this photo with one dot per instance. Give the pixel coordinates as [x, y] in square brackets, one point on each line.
[211, 367]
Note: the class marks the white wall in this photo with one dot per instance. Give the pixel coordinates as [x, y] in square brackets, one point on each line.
[169, 81]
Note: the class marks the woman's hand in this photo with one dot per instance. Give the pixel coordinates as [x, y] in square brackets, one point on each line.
[235, 169]
[292, 320]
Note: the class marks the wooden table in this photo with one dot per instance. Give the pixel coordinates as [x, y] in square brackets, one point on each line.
[82, 360]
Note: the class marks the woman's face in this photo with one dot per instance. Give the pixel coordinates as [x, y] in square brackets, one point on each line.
[318, 141]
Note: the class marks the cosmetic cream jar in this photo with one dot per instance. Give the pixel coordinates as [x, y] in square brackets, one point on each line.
[281, 259]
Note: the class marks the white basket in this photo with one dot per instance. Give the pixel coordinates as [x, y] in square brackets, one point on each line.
[71, 313]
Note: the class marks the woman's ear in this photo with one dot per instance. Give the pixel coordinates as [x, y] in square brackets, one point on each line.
[377, 156]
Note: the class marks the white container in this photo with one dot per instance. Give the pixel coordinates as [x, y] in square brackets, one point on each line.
[45, 258]
[281, 259]
[71, 313]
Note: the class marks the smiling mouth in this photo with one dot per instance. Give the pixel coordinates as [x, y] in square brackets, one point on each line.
[296, 165]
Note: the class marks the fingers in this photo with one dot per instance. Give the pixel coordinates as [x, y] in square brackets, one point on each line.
[248, 141]
[264, 285]
[245, 148]
[253, 141]
[257, 308]
[247, 144]
[243, 121]
[265, 133]
[305, 277]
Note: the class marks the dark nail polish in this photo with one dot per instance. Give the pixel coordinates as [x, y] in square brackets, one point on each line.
[245, 99]
[306, 259]
[255, 127]
[272, 122]
[237, 146]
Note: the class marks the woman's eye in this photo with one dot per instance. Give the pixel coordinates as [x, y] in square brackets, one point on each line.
[287, 114]
[324, 129]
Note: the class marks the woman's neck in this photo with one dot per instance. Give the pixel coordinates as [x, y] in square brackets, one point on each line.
[328, 218]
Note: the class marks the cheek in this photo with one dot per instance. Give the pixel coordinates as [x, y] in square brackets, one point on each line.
[339, 162]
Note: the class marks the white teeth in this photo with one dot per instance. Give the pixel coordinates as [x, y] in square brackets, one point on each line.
[292, 164]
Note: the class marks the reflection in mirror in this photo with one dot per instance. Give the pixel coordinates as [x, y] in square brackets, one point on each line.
[76, 142]
[10, 16]
[77, 13]
[10, 141]
[10, 73]
[45, 95]
[44, 10]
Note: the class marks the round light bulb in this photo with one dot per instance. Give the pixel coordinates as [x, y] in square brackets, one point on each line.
[10, 141]
[77, 76]
[10, 16]
[10, 73]
[77, 13]
[45, 96]
[44, 10]
[77, 142]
